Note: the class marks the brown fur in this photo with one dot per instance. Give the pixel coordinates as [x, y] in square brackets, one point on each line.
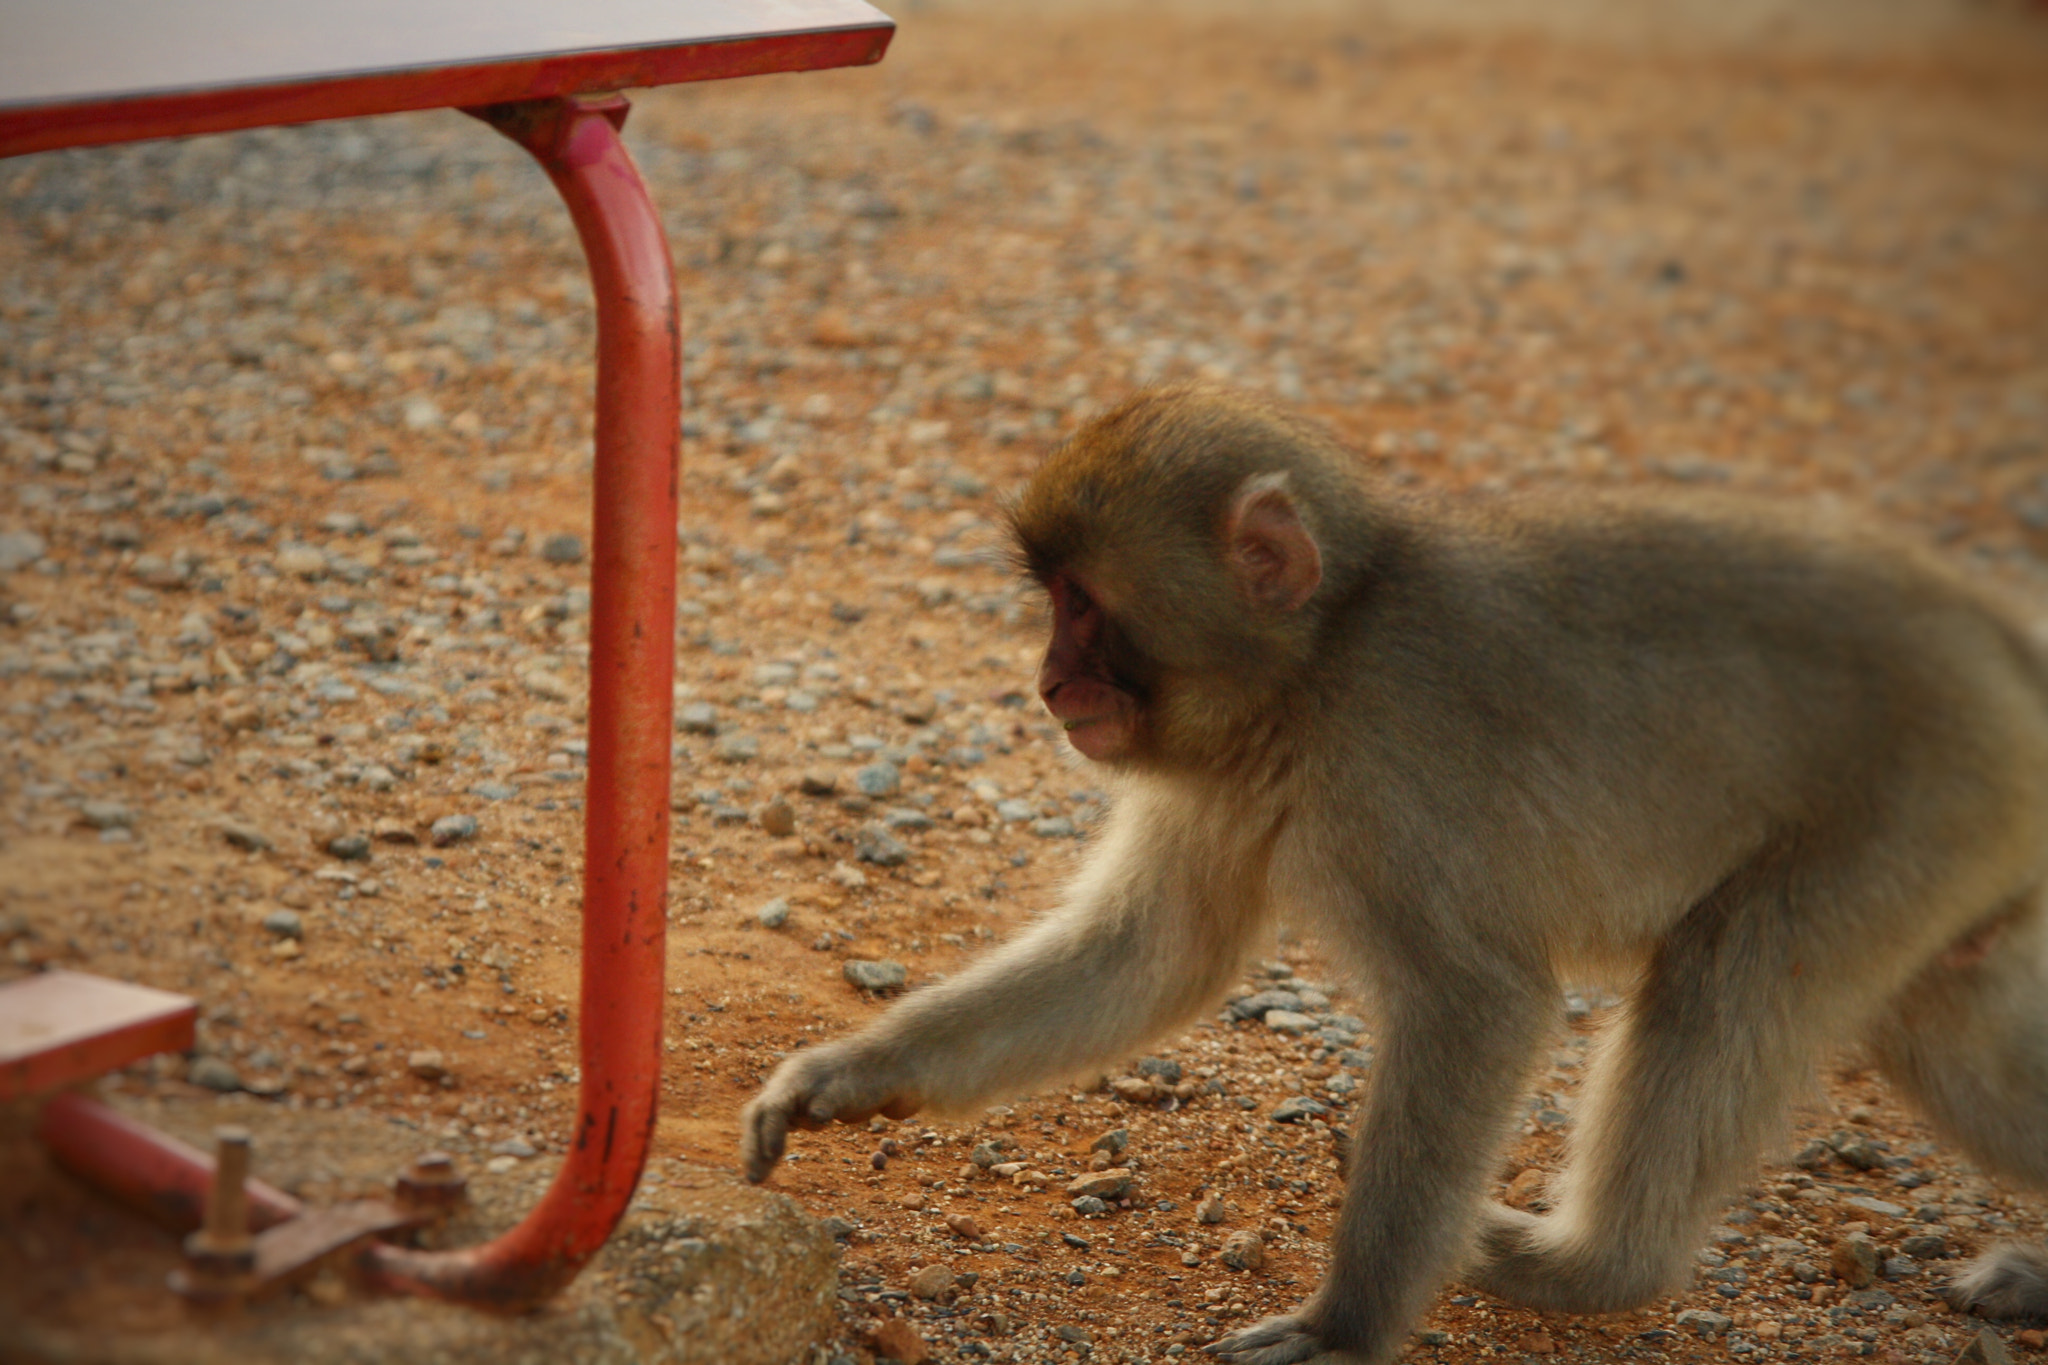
[1765, 775]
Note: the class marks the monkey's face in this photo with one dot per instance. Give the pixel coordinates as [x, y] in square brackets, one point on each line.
[1086, 678]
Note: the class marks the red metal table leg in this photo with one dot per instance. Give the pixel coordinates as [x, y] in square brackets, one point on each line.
[147, 1170]
[632, 668]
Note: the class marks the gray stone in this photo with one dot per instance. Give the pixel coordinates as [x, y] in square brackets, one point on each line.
[1925, 1246]
[1882, 1207]
[495, 791]
[774, 914]
[878, 779]
[697, 718]
[245, 837]
[874, 976]
[19, 549]
[1704, 1322]
[451, 829]
[872, 844]
[1289, 1022]
[107, 815]
[1089, 1206]
[562, 549]
[1244, 1250]
[284, 924]
[350, 848]
[1054, 827]
[1160, 1069]
[902, 817]
[1297, 1108]
[1255, 1005]
[737, 748]
[1015, 810]
[214, 1074]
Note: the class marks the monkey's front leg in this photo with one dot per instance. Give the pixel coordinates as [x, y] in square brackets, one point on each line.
[1455, 1047]
[1144, 943]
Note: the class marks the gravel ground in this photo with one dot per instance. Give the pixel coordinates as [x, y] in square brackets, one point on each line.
[293, 597]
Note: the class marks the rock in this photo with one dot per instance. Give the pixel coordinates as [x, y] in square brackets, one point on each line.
[1088, 1206]
[391, 831]
[107, 815]
[301, 561]
[19, 549]
[839, 1229]
[1114, 1183]
[214, 1074]
[874, 844]
[737, 748]
[1136, 1089]
[895, 1339]
[1900, 1268]
[1884, 1208]
[697, 718]
[818, 782]
[1704, 1322]
[1984, 1349]
[778, 819]
[1854, 1259]
[963, 1226]
[846, 875]
[562, 549]
[1254, 1006]
[1116, 1139]
[1211, 1211]
[1926, 1246]
[1244, 1250]
[878, 779]
[451, 829]
[1296, 1108]
[1289, 1022]
[350, 848]
[932, 1281]
[774, 914]
[1054, 827]
[1813, 1156]
[284, 924]
[245, 837]
[1158, 1069]
[874, 976]
[985, 1155]
[429, 1064]
[1526, 1188]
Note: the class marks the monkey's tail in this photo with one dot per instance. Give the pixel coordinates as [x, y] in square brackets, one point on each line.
[2008, 1281]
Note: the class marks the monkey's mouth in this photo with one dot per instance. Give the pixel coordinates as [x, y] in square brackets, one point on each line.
[1100, 719]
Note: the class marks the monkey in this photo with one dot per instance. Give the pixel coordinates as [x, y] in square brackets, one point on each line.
[1784, 784]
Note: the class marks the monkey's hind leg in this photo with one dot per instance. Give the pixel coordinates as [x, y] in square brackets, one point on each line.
[1682, 1095]
[1968, 1041]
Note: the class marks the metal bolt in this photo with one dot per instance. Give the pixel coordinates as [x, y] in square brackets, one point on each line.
[432, 1182]
[223, 1248]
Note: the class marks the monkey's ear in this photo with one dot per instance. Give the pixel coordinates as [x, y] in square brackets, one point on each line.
[1267, 547]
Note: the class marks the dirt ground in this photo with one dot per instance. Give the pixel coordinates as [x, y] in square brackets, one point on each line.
[294, 425]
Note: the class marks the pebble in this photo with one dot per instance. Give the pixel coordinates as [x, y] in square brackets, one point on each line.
[778, 819]
[1289, 1023]
[878, 780]
[774, 914]
[1055, 827]
[963, 1226]
[284, 924]
[1854, 1259]
[107, 815]
[1704, 1322]
[1984, 1349]
[697, 718]
[1244, 1250]
[895, 1339]
[1211, 1211]
[1297, 1108]
[1088, 1206]
[245, 837]
[214, 1074]
[1114, 1183]
[562, 549]
[1117, 1139]
[737, 747]
[429, 1064]
[933, 1281]
[350, 848]
[872, 843]
[818, 782]
[1257, 1004]
[19, 549]
[451, 829]
[874, 976]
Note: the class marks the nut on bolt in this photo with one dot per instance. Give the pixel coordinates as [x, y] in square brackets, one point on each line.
[221, 1255]
[432, 1182]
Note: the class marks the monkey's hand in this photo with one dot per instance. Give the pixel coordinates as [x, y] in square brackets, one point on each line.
[1281, 1340]
[811, 1090]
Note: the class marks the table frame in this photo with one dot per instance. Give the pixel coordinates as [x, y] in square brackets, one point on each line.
[575, 137]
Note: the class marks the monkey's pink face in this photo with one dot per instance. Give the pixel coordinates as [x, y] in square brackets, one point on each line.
[1077, 681]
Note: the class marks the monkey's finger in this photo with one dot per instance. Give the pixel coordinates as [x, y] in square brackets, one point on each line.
[1279, 1340]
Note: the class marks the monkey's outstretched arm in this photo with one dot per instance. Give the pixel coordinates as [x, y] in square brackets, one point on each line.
[1141, 943]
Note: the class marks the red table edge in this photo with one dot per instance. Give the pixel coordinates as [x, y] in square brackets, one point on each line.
[94, 122]
[632, 654]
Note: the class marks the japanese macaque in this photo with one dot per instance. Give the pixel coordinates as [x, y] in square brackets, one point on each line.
[1785, 785]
